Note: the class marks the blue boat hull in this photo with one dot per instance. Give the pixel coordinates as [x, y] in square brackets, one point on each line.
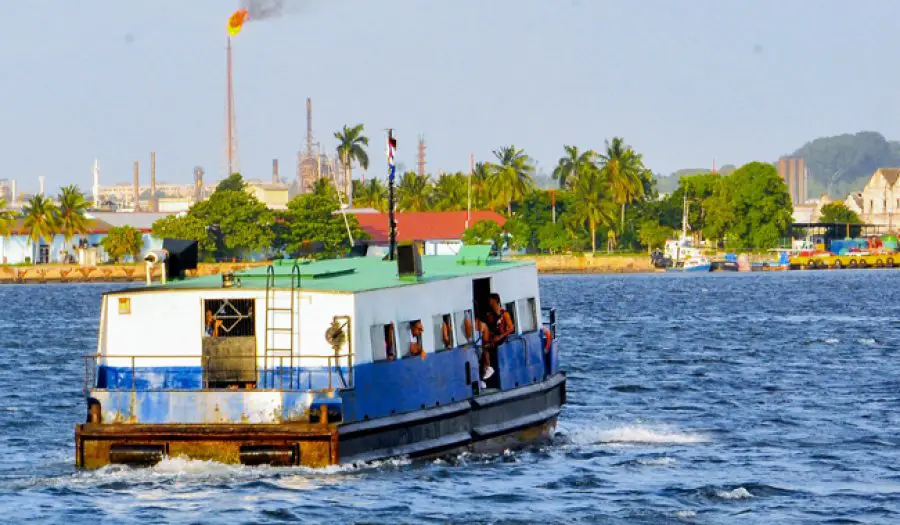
[485, 423]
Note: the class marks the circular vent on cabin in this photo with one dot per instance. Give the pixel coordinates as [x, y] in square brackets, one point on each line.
[335, 336]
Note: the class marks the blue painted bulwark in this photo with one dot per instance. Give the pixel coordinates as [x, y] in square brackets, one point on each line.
[191, 378]
[395, 387]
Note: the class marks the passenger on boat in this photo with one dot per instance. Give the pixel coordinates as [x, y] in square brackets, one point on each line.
[447, 331]
[487, 344]
[502, 326]
[212, 324]
[415, 338]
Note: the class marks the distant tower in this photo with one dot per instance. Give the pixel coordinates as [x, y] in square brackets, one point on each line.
[154, 201]
[95, 189]
[198, 184]
[275, 178]
[230, 118]
[793, 171]
[15, 194]
[420, 165]
[41, 181]
[308, 171]
[137, 189]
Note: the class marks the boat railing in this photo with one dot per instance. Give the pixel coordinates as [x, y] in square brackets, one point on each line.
[222, 370]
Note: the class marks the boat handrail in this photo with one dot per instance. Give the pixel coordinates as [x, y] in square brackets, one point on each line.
[290, 376]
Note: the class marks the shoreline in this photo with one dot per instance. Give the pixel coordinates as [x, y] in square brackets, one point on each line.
[128, 273]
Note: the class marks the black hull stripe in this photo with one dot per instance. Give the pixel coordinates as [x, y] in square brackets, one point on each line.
[386, 423]
[519, 393]
[413, 449]
[531, 420]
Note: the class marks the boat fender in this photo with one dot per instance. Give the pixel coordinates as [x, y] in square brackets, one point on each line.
[548, 340]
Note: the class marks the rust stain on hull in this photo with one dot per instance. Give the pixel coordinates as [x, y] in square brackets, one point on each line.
[310, 445]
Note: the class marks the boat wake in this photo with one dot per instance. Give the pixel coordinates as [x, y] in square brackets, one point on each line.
[738, 493]
[635, 434]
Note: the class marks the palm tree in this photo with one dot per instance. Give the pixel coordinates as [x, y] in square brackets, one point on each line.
[40, 219]
[371, 194]
[414, 192]
[512, 177]
[377, 194]
[72, 205]
[481, 187]
[6, 218]
[572, 163]
[623, 168]
[592, 203]
[351, 147]
[451, 192]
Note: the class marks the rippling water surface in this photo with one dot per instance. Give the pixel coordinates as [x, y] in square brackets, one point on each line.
[721, 398]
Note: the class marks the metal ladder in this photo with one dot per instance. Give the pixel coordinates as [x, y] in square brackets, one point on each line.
[275, 326]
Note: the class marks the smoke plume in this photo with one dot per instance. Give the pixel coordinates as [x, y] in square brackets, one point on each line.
[263, 9]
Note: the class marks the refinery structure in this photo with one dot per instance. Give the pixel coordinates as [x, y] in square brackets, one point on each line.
[146, 194]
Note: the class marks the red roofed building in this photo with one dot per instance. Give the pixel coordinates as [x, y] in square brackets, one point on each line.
[440, 231]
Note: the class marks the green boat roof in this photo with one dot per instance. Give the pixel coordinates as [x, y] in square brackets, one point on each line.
[358, 274]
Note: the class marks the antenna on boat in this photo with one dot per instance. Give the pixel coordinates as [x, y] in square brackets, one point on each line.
[341, 204]
[392, 225]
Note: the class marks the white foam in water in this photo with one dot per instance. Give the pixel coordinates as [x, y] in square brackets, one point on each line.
[685, 514]
[657, 462]
[866, 341]
[738, 493]
[832, 341]
[636, 434]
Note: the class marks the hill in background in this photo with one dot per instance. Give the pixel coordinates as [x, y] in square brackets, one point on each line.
[837, 165]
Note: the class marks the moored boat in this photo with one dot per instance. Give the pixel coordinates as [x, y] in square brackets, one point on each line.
[321, 363]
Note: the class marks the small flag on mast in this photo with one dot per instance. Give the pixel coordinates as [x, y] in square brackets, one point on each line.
[392, 151]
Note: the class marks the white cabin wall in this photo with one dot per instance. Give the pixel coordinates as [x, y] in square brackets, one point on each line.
[399, 305]
[171, 323]
[317, 310]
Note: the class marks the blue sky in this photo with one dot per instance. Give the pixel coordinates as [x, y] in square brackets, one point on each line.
[683, 82]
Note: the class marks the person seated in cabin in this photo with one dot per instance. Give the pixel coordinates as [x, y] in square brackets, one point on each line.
[447, 332]
[485, 342]
[502, 326]
[212, 324]
[415, 338]
[389, 342]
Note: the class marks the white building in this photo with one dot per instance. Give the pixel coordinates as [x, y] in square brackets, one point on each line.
[879, 201]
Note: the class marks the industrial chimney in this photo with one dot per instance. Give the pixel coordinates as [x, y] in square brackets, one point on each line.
[15, 194]
[154, 201]
[137, 189]
[198, 184]
[95, 189]
[41, 185]
[275, 179]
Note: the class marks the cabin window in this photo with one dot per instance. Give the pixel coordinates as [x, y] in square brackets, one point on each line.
[465, 327]
[511, 308]
[383, 342]
[442, 326]
[408, 342]
[528, 315]
[228, 318]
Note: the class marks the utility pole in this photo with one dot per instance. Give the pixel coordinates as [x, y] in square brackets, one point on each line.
[553, 204]
[469, 189]
[392, 225]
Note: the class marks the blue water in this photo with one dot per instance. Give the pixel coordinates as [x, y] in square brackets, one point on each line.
[721, 398]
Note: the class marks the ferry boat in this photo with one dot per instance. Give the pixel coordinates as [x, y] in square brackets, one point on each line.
[311, 363]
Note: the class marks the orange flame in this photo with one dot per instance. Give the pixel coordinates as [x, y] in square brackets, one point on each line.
[236, 21]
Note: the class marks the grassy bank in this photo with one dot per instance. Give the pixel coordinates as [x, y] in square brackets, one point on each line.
[107, 273]
[112, 273]
[587, 263]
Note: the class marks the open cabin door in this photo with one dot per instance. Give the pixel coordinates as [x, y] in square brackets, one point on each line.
[481, 295]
